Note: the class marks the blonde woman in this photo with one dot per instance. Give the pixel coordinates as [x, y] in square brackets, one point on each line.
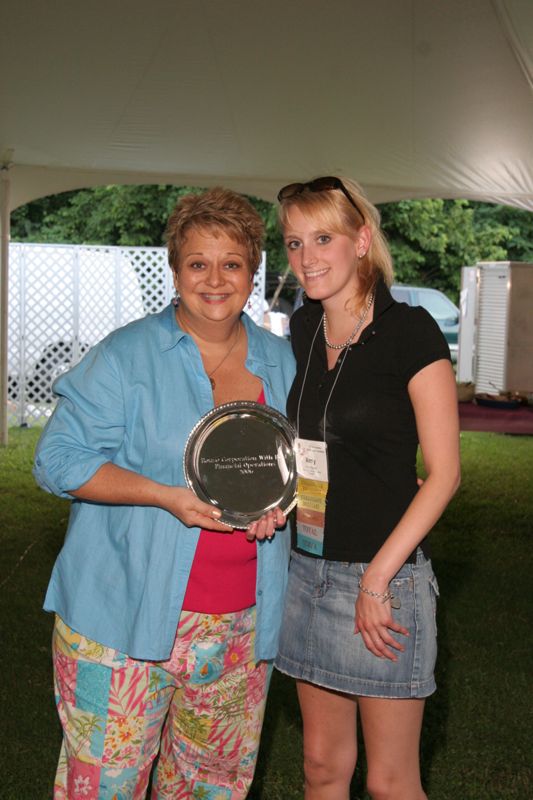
[373, 380]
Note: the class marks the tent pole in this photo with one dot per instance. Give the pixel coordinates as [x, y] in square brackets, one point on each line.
[4, 269]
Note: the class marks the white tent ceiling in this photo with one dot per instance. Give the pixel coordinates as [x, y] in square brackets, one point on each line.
[414, 98]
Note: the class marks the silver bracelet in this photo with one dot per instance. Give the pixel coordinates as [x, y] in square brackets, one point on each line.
[388, 595]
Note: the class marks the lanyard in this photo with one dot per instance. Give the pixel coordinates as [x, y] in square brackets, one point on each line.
[305, 378]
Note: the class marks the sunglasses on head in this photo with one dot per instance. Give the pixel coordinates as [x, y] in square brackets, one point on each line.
[326, 184]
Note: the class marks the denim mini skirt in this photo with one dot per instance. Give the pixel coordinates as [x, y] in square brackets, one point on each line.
[318, 643]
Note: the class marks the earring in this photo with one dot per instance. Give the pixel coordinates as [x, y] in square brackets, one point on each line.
[249, 304]
[176, 300]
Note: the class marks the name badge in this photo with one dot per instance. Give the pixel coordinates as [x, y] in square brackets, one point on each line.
[311, 459]
[312, 488]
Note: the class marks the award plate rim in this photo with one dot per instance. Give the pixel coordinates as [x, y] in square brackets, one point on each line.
[239, 520]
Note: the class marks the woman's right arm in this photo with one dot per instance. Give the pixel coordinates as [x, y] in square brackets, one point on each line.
[119, 486]
[74, 457]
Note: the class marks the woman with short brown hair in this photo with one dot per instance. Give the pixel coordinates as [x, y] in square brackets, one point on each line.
[167, 621]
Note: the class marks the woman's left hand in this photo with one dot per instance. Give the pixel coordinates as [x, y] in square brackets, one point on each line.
[374, 621]
[265, 527]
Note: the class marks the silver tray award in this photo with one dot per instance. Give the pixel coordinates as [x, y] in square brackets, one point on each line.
[240, 457]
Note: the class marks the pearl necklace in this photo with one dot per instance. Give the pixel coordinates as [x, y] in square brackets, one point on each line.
[355, 331]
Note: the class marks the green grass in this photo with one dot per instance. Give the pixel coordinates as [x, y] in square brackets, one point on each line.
[477, 739]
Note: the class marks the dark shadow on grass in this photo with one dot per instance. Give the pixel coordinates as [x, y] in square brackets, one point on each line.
[278, 762]
[451, 575]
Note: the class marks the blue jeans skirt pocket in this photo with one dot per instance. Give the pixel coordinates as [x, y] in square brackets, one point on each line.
[318, 643]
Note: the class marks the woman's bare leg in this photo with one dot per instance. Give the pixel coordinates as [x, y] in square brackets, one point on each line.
[391, 732]
[330, 741]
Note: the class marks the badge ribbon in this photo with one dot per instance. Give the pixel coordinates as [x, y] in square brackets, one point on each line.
[312, 488]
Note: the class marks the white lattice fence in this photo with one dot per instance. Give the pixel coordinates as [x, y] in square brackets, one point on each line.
[63, 299]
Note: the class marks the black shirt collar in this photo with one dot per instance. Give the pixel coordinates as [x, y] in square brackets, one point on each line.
[383, 299]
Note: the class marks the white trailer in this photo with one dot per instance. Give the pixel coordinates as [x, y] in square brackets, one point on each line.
[496, 327]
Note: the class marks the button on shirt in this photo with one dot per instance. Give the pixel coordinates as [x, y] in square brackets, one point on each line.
[121, 576]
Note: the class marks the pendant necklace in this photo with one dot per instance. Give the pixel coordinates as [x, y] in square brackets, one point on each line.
[355, 331]
[210, 374]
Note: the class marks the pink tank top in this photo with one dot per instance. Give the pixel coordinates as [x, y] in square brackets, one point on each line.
[224, 571]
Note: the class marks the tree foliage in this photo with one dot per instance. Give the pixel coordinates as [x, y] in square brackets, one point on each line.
[114, 215]
[130, 216]
[430, 240]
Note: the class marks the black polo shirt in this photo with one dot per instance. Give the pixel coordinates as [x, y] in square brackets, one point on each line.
[370, 430]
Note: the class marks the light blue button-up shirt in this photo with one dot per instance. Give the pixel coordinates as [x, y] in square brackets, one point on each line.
[121, 575]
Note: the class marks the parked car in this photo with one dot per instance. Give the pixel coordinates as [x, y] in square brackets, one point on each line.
[441, 308]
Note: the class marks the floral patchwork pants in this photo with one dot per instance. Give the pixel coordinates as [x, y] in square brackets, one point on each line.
[200, 712]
